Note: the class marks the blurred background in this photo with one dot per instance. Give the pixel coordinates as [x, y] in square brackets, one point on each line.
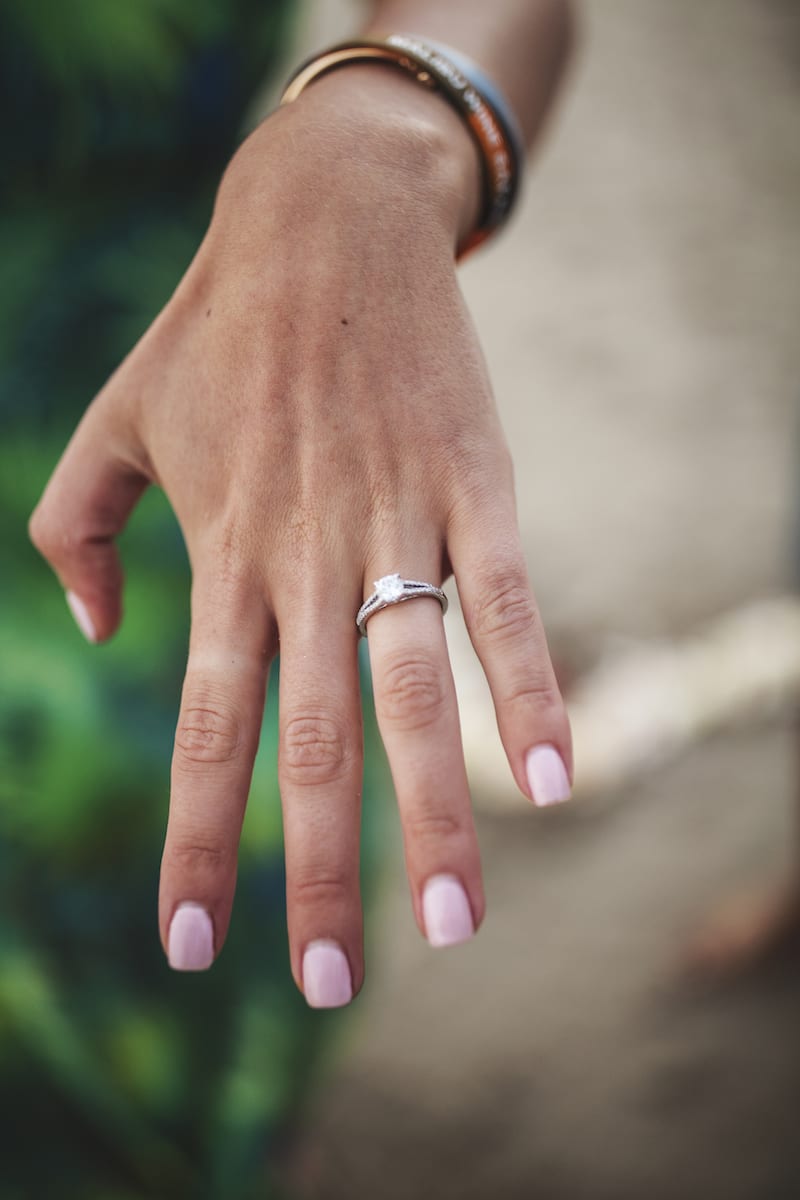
[618, 1028]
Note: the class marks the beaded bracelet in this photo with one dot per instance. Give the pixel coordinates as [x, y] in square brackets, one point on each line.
[475, 97]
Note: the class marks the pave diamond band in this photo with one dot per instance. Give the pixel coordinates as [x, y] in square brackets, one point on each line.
[391, 589]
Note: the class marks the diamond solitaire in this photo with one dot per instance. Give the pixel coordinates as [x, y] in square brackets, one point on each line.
[389, 588]
[393, 589]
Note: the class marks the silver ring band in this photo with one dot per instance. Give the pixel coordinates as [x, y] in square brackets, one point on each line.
[391, 589]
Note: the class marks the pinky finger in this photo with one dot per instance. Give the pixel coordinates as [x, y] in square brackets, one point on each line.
[506, 630]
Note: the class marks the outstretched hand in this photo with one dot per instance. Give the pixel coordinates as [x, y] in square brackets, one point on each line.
[314, 402]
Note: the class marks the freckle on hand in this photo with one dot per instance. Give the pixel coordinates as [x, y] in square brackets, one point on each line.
[345, 321]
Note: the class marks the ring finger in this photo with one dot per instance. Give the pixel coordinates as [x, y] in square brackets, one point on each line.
[415, 702]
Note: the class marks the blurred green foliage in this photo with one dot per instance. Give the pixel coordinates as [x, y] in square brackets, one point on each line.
[119, 1079]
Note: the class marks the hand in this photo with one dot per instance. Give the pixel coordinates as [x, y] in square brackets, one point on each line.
[314, 402]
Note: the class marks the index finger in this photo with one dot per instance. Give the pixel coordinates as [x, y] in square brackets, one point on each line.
[215, 746]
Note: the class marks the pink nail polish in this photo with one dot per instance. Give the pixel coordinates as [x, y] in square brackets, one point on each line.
[547, 776]
[327, 982]
[82, 619]
[446, 912]
[191, 939]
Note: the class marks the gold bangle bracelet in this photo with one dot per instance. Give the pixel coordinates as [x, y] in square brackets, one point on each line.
[482, 108]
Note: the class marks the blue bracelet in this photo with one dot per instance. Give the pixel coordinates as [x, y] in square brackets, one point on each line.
[485, 86]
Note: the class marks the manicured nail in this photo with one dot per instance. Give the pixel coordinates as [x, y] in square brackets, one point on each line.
[82, 619]
[191, 939]
[446, 912]
[547, 776]
[326, 976]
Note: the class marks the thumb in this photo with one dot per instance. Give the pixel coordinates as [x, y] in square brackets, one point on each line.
[84, 506]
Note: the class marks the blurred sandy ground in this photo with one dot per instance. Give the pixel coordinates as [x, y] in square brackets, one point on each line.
[642, 330]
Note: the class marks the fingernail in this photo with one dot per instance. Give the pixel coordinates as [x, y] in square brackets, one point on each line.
[547, 776]
[191, 939]
[326, 976]
[82, 619]
[446, 912]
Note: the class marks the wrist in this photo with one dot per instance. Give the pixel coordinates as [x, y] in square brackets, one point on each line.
[365, 164]
[427, 136]
[373, 111]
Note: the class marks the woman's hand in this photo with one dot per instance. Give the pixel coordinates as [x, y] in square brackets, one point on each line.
[314, 402]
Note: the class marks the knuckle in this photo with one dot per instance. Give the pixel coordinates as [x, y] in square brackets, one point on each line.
[303, 537]
[314, 749]
[207, 733]
[412, 692]
[428, 825]
[321, 890]
[481, 479]
[233, 585]
[232, 570]
[538, 693]
[505, 610]
[197, 856]
[492, 471]
[43, 532]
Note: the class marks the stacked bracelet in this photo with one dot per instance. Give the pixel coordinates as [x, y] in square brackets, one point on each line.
[475, 97]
